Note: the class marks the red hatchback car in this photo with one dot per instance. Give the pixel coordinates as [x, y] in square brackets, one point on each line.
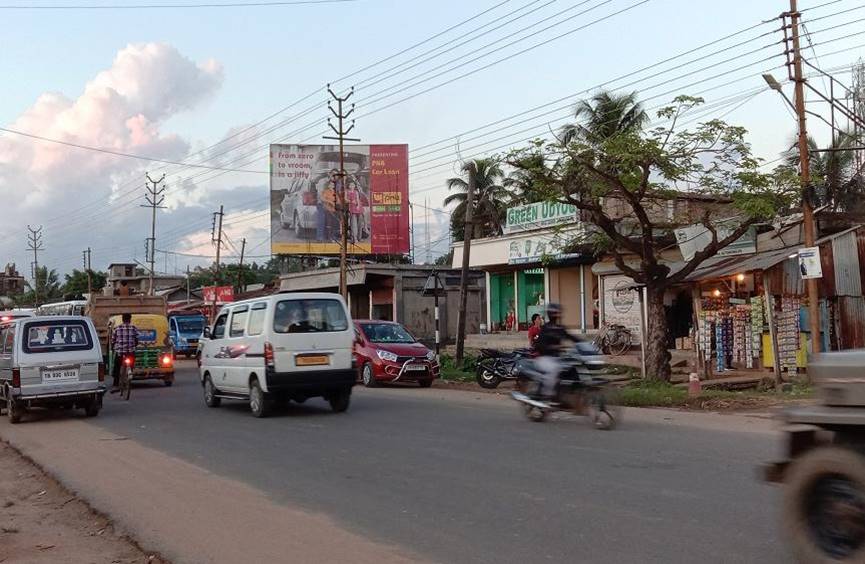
[386, 352]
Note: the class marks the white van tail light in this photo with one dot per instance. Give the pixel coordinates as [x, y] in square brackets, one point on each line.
[16, 377]
[101, 371]
[268, 355]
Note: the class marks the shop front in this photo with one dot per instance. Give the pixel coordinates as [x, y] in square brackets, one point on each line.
[525, 271]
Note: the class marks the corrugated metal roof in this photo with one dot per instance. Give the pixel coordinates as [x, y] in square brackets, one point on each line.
[730, 266]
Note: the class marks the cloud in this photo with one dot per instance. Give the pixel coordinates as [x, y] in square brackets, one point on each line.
[123, 108]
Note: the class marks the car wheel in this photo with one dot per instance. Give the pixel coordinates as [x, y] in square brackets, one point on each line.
[339, 400]
[258, 401]
[92, 408]
[367, 376]
[14, 411]
[210, 397]
[298, 229]
[425, 383]
[824, 506]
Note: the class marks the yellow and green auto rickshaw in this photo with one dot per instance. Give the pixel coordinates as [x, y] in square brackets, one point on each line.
[154, 357]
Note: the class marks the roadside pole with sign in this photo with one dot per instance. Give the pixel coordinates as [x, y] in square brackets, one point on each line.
[433, 280]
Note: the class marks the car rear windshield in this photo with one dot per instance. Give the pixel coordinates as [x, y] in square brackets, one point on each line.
[309, 316]
[386, 333]
[56, 336]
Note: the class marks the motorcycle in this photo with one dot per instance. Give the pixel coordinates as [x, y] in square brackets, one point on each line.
[581, 389]
[494, 366]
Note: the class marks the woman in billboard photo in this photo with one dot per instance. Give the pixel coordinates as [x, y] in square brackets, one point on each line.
[355, 210]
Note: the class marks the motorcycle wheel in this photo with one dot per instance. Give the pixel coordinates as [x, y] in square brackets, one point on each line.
[601, 416]
[487, 378]
[535, 414]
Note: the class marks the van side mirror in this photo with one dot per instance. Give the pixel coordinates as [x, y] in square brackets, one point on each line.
[206, 333]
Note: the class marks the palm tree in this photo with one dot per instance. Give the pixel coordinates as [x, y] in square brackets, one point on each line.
[490, 199]
[604, 115]
[833, 170]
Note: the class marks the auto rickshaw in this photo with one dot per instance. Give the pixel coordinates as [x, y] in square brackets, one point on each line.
[154, 357]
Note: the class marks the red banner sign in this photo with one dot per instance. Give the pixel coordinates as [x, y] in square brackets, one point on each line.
[223, 294]
[389, 211]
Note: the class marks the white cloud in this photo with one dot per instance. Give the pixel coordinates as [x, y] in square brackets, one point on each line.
[123, 108]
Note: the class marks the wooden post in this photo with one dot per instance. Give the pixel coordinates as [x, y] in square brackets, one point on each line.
[773, 333]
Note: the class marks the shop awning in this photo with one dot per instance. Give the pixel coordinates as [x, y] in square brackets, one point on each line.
[726, 267]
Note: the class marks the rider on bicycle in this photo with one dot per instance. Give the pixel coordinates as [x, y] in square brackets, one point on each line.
[124, 341]
[548, 344]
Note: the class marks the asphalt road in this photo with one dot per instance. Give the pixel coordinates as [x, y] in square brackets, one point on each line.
[456, 477]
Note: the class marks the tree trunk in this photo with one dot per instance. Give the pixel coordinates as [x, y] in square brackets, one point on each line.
[657, 354]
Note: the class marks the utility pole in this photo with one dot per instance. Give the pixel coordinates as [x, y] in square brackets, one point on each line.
[805, 176]
[34, 243]
[240, 284]
[341, 134]
[464, 276]
[154, 200]
[86, 255]
[216, 237]
[187, 285]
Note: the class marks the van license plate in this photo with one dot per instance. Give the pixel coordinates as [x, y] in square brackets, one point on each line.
[59, 375]
[310, 360]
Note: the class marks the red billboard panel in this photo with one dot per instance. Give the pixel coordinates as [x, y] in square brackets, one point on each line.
[224, 294]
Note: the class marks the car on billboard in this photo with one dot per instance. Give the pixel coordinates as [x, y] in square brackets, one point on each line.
[299, 207]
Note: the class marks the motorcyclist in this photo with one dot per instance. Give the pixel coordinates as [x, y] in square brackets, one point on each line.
[548, 345]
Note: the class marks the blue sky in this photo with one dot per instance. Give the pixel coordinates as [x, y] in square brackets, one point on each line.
[272, 56]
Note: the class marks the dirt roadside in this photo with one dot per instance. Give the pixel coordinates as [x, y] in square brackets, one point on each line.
[42, 522]
[171, 505]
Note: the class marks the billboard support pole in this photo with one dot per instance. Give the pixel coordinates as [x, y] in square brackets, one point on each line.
[341, 134]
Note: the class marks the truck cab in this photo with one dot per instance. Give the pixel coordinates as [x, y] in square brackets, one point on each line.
[185, 330]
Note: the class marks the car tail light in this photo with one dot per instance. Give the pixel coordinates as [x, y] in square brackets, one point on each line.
[101, 371]
[16, 377]
[5, 318]
[268, 355]
[309, 199]
[166, 360]
[127, 360]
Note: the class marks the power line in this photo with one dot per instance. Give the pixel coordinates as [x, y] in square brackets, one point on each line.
[169, 6]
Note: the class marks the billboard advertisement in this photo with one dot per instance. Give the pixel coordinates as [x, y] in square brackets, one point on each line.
[305, 201]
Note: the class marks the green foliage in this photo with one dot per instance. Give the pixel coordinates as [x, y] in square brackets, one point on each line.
[228, 276]
[75, 285]
[48, 285]
[463, 373]
[490, 199]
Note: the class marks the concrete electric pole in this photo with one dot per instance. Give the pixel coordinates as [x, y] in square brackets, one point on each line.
[805, 176]
[34, 243]
[464, 275]
[341, 136]
[154, 200]
[86, 256]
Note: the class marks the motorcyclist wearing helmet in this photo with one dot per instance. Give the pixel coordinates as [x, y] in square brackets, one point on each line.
[549, 343]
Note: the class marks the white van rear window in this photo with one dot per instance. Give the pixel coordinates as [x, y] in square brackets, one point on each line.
[309, 316]
[56, 336]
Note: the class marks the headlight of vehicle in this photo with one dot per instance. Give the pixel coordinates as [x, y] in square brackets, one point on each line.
[386, 355]
[430, 355]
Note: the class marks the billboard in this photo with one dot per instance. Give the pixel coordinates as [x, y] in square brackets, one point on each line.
[222, 294]
[305, 199]
[539, 215]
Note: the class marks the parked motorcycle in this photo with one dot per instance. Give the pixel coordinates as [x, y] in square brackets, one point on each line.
[581, 388]
[494, 366]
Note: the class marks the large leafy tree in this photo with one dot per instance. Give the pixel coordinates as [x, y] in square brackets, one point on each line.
[525, 182]
[75, 285]
[625, 184]
[490, 199]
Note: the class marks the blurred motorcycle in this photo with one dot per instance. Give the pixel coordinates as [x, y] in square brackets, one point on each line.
[581, 388]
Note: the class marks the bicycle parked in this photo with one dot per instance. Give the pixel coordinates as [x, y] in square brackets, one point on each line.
[614, 339]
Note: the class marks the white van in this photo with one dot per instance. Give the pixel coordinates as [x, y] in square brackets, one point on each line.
[50, 361]
[280, 347]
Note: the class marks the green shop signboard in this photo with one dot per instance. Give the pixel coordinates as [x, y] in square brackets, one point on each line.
[539, 215]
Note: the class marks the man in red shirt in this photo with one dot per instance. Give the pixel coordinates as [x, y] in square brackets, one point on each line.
[534, 329]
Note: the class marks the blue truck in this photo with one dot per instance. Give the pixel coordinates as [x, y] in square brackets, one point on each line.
[185, 330]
